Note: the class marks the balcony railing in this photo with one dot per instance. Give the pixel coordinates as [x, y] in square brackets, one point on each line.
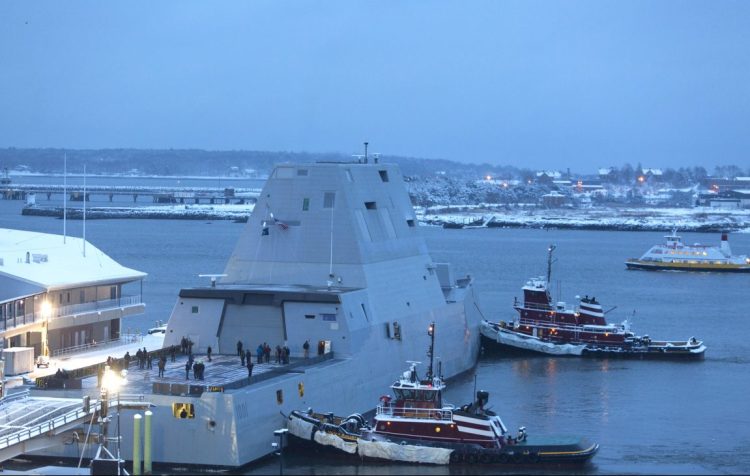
[106, 304]
[96, 306]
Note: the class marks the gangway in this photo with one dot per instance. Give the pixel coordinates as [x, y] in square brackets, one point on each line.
[33, 423]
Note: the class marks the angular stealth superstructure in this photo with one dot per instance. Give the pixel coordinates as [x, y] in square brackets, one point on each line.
[331, 255]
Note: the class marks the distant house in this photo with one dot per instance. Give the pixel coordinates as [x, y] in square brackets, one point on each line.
[607, 174]
[650, 175]
[554, 200]
[718, 184]
[548, 176]
[728, 199]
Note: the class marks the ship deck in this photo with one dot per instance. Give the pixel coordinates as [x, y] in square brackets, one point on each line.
[223, 372]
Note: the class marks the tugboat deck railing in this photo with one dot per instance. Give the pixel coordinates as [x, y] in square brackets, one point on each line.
[588, 328]
[437, 414]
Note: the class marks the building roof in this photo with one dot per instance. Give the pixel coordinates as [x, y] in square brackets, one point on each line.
[42, 260]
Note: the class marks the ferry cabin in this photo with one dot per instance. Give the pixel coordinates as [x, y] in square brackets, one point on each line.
[61, 294]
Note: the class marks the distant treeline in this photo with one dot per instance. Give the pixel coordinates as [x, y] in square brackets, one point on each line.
[204, 162]
[228, 162]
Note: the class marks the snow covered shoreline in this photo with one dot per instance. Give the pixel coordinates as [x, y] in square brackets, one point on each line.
[623, 219]
[700, 219]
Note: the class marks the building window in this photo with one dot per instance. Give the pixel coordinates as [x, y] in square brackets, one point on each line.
[309, 316]
[305, 204]
[195, 310]
[371, 205]
[383, 175]
[329, 199]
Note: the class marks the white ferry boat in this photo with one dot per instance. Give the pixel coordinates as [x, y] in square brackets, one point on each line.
[332, 255]
[677, 256]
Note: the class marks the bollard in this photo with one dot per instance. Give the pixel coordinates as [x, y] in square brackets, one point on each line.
[147, 443]
[137, 444]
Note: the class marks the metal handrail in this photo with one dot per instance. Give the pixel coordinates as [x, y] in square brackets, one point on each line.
[71, 309]
[47, 426]
[409, 412]
[590, 328]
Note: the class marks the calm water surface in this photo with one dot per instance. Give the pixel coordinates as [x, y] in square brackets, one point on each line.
[648, 417]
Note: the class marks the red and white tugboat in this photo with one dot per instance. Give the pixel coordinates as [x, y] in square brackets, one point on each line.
[415, 425]
[545, 327]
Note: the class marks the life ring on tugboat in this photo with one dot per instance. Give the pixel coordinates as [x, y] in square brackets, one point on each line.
[385, 400]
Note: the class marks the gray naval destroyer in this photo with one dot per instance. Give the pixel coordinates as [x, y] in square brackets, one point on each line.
[332, 254]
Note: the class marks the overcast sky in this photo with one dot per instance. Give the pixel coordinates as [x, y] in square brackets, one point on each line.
[549, 84]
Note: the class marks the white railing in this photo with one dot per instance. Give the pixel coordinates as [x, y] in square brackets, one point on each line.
[96, 305]
[90, 345]
[24, 434]
[407, 412]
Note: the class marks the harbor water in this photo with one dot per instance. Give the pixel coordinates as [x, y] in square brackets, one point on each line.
[649, 417]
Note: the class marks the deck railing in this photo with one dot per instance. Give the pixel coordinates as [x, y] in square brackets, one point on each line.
[408, 412]
[123, 301]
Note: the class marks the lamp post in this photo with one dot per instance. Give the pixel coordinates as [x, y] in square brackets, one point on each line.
[46, 313]
[280, 434]
[111, 383]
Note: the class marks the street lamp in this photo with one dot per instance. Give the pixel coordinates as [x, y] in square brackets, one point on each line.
[280, 445]
[46, 310]
[111, 383]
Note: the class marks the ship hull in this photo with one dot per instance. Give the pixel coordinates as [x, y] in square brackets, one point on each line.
[503, 339]
[312, 432]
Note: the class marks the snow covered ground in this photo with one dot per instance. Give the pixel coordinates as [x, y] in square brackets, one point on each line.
[647, 219]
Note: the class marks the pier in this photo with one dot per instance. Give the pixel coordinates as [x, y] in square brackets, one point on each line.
[194, 195]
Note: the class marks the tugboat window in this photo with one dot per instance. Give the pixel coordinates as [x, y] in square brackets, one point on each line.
[305, 204]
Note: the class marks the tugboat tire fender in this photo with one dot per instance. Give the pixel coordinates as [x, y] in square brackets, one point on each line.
[502, 458]
[470, 458]
[455, 457]
[485, 458]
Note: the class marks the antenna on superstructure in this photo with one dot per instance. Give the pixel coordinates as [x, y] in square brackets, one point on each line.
[549, 262]
[366, 143]
[84, 210]
[213, 278]
[431, 352]
[65, 197]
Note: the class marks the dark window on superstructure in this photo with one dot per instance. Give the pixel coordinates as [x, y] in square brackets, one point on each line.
[113, 292]
[388, 330]
[60, 298]
[305, 204]
[410, 223]
[194, 310]
[309, 316]
[383, 175]
[371, 205]
[68, 298]
[279, 396]
[329, 199]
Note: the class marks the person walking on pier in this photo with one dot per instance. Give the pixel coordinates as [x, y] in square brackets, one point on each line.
[208, 353]
[187, 370]
[172, 352]
[278, 354]
[150, 360]
[239, 347]
[249, 368]
[162, 364]
[242, 358]
[306, 348]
